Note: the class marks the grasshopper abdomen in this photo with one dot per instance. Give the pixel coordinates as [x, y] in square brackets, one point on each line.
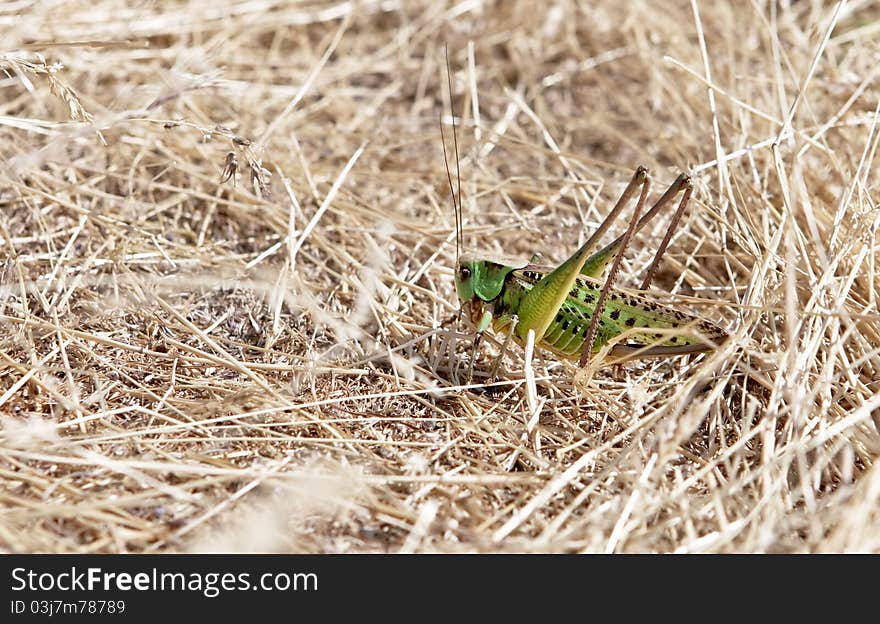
[647, 328]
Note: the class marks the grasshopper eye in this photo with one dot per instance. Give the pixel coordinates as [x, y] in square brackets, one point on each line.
[464, 273]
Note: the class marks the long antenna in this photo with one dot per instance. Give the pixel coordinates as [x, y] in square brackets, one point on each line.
[459, 221]
[451, 191]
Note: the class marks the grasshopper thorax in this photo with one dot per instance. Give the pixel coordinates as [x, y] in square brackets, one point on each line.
[482, 277]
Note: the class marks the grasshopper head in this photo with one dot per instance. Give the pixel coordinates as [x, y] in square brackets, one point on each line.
[483, 277]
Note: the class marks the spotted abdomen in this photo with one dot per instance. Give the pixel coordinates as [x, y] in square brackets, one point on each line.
[622, 312]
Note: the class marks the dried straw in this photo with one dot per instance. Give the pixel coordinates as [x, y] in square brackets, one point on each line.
[227, 246]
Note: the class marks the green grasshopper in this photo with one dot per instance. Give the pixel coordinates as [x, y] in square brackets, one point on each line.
[560, 305]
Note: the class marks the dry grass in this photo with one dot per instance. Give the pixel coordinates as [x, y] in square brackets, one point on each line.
[188, 364]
